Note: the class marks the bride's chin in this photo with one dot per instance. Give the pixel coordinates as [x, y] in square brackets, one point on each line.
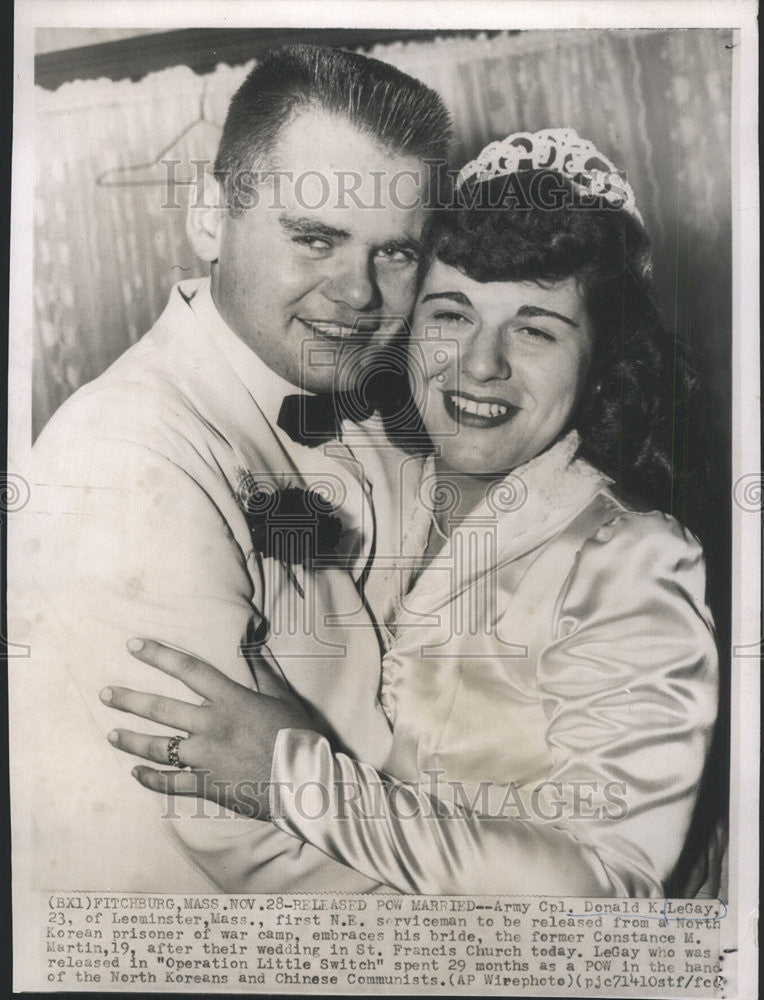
[469, 463]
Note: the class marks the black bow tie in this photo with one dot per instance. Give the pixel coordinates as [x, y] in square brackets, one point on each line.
[314, 420]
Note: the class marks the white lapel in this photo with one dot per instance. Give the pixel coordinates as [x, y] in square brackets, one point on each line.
[342, 686]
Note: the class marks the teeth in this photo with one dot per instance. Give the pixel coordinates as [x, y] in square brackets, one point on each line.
[479, 409]
[332, 330]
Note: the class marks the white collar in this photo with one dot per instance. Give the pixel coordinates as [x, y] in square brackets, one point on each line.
[265, 387]
[535, 496]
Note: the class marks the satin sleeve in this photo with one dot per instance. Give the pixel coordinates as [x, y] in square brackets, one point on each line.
[628, 685]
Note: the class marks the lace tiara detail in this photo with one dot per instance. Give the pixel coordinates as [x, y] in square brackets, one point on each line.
[561, 150]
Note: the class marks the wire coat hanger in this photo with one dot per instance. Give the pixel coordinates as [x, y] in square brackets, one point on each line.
[120, 176]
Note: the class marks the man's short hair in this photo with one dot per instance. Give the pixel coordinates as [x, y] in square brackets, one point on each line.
[401, 113]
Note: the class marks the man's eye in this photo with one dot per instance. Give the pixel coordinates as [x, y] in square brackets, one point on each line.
[313, 242]
[396, 255]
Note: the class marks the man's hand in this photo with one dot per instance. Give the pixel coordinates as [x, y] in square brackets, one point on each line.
[228, 752]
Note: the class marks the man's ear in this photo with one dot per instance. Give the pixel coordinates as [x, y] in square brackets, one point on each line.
[204, 220]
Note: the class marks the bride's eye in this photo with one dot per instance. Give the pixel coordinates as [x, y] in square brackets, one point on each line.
[533, 333]
[450, 317]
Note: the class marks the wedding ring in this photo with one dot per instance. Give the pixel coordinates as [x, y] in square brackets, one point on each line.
[172, 751]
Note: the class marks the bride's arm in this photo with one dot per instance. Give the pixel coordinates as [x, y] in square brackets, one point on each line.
[417, 843]
[629, 689]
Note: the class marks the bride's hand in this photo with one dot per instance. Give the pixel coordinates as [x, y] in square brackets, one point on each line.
[228, 752]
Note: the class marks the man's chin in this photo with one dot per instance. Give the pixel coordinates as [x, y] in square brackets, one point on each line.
[319, 387]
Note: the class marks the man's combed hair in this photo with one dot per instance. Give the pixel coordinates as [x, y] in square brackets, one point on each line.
[535, 226]
[397, 111]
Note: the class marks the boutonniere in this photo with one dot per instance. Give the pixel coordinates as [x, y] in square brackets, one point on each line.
[291, 524]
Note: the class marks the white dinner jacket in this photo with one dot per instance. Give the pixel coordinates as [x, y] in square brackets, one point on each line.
[134, 529]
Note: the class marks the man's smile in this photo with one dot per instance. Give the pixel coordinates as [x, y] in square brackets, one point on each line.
[333, 331]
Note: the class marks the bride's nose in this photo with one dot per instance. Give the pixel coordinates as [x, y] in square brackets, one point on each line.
[484, 357]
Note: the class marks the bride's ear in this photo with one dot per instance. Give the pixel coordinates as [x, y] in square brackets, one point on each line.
[204, 220]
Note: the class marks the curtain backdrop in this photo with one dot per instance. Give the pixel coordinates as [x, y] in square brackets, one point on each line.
[656, 102]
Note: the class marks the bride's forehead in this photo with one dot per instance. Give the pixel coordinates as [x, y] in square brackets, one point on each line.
[450, 282]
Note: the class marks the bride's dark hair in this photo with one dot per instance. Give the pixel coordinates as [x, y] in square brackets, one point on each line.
[536, 226]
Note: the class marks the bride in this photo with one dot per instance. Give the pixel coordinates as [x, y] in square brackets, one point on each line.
[551, 671]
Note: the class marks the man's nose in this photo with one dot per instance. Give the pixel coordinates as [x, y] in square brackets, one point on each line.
[484, 356]
[354, 285]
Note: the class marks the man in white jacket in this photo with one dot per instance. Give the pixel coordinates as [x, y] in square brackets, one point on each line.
[139, 520]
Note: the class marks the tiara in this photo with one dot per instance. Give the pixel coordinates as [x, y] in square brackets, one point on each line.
[561, 150]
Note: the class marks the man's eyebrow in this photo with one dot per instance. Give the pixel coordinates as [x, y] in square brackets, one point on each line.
[530, 311]
[459, 297]
[314, 227]
[404, 242]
